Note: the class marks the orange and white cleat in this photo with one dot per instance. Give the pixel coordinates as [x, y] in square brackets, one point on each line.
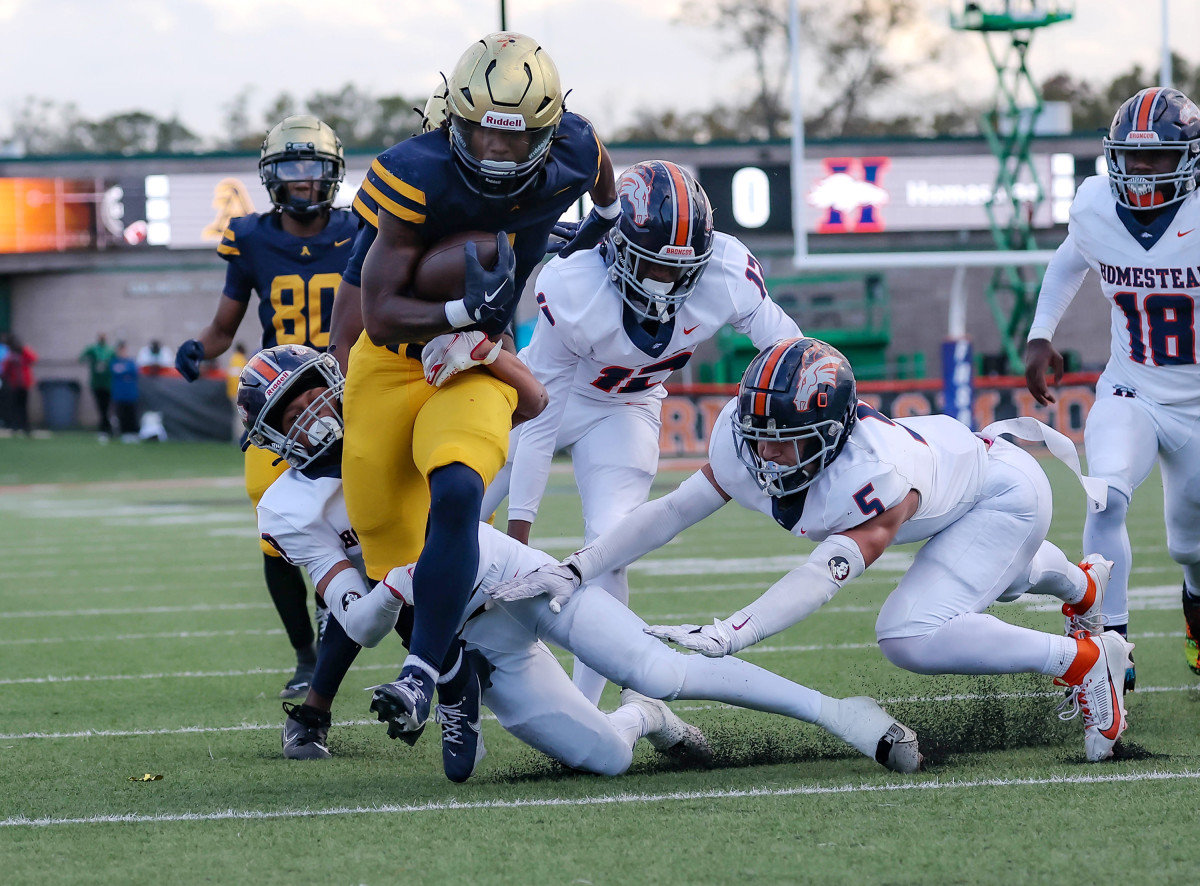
[1097, 676]
[1085, 615]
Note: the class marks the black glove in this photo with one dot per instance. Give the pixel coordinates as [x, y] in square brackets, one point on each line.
[565, 231]
[491, 296]
[188, 357]
[589, 232]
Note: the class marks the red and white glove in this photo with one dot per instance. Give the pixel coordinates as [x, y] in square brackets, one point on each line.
[447, 355]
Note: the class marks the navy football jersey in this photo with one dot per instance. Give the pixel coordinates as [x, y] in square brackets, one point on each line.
[295, 277]
[418, 181]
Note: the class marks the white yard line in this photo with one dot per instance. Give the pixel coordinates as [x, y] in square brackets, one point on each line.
[136, 610]
[610, 800]
[168, 635]
[679, 708]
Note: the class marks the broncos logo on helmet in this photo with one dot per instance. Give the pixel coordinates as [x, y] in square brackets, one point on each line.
[799, 391]
[818, 369]
[1158, 125]
[634, 192]
[662, 240]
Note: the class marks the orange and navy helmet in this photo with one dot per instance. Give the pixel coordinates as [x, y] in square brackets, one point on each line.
[274, 377]
[799, 391]
[662, 240]
[1156, 119]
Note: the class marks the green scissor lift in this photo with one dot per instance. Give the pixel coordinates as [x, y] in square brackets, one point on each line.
[1007, 27]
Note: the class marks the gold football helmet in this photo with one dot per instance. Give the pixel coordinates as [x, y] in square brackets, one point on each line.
[301, 165]
[505, 101]
[434, 115]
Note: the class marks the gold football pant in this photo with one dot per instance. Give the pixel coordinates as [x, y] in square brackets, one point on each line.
[399, 429]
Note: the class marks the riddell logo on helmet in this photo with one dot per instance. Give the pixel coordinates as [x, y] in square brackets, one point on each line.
[1141, 136]
[499, 120]
[277, 384]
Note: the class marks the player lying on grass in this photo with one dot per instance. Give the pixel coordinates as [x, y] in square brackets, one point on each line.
[529, 692]
[797, 444]
[289, 399]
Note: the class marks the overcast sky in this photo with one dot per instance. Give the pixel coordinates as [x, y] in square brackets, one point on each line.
[190, 57]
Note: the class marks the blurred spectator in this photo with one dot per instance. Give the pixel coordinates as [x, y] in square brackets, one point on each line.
[232, 374]
[99, 357]
[3, 389]
[17, 374]
[236, 361]
[153, 360]
[125, 393]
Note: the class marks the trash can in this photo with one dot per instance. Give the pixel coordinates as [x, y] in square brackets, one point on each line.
[60, 403]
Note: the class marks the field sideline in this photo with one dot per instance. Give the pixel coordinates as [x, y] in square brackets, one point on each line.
[137, 638]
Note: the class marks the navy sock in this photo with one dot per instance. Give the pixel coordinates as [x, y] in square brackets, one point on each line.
[445, 573]
[334, 658]
[285, 583]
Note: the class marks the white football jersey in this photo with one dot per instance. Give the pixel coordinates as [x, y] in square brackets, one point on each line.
[304, 518]
[1151, 277]
[936, 455]
[581, 343]
[583, 347]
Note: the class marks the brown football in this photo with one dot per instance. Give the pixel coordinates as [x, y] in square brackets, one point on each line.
[441, 272]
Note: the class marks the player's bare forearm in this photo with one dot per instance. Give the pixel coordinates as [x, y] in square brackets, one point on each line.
[218, 335]
[390, 315]
[346, 323]
[874, 536]
[531, 393]
[519, 529]
[604, 191]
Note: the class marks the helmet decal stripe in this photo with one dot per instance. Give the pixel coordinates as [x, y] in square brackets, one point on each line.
[1145, 109]
[766, 374]
[265, 370]
[683, 206]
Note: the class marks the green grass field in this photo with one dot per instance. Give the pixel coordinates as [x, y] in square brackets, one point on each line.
[137, 637]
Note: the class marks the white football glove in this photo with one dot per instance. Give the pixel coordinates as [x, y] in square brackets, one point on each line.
[447, 355]
[558, 581]
[714, 640]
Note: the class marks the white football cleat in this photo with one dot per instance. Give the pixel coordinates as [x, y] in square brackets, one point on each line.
[667, 733]
[1099, 696]
[861, 722]
[1085, 615]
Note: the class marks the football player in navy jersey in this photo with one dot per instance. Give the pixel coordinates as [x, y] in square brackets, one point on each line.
[509, 160]
[291, 258]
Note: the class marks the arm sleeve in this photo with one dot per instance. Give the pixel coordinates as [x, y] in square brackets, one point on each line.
[367, 616]
[766, 324]
[553, 364]
[1064, 275]
[650, 526]
[798, 594]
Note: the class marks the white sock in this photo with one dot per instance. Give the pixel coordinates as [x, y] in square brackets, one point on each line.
[1062, 652]
[630, 723]
[1104, 533]
[1050, 572]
